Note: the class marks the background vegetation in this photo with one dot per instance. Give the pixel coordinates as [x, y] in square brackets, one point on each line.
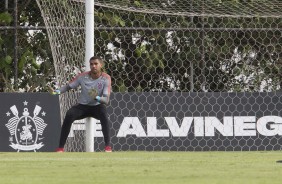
[153, 52]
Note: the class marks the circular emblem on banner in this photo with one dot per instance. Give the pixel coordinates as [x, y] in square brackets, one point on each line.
[26, 131]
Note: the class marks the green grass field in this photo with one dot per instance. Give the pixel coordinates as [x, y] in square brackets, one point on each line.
[141, 167]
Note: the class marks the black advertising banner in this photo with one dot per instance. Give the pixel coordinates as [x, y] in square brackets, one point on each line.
[194, 121]
[29, 122]
[150, 121]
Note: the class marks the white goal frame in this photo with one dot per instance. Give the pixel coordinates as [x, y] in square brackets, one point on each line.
[89, 52]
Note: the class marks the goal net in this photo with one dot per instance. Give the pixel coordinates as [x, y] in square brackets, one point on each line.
[158, 47]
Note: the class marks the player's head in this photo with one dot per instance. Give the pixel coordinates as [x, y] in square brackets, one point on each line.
[96, 64]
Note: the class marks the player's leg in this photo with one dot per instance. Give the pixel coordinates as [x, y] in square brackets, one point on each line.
[102, 115]
[74, 113]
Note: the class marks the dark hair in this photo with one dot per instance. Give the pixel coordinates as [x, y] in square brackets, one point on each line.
[98, 58]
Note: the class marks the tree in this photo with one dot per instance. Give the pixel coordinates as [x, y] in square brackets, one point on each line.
[183, 53]
[160, 52]
[34, 64]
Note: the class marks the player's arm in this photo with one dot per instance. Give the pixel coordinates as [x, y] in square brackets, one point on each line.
[64, 88]
[72, 85]
[104, 99]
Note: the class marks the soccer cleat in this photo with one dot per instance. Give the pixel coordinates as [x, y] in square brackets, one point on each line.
[60, 150]
[108, 149]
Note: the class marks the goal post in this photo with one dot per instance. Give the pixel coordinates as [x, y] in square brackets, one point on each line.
[89, 52]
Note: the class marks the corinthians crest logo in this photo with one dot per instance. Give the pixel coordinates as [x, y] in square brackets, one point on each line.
[26, 130]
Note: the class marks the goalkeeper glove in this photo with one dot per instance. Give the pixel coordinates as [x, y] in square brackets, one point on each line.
[56, 92]
[98, 98]
[102, 100]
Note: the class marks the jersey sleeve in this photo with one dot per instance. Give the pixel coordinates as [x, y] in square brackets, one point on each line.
[64, 88]
[75, 82]
[107, 88]
[71, 85]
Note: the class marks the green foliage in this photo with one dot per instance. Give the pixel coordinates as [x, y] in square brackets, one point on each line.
[153, 52]
[34, 64]
[204, 52]
[5, 18]
[6, 65]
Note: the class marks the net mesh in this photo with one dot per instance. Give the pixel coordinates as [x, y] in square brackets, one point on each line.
[218, 8]
[169, 45]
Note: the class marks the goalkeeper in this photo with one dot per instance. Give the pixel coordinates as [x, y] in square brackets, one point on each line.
[95, 94]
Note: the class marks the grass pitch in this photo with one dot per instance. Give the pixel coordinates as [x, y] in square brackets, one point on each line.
[141, 167]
